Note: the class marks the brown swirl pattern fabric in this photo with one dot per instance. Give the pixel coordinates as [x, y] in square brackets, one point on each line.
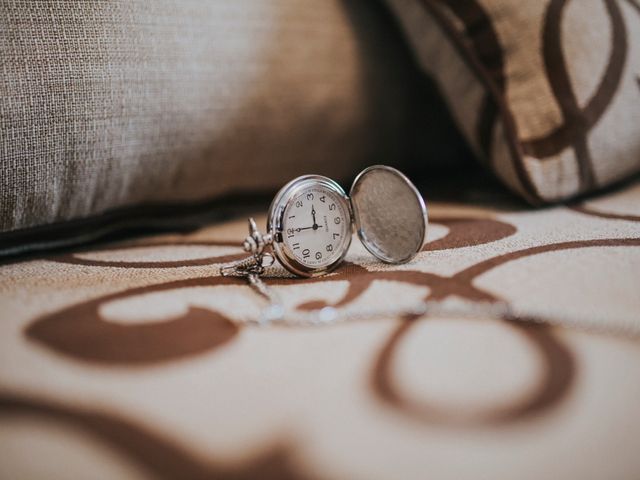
[546, 92]
[128, 360]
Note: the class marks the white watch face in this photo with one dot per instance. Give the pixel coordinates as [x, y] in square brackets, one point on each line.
[316, 226]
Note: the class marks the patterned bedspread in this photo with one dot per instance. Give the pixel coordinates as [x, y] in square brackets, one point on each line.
[131, 359]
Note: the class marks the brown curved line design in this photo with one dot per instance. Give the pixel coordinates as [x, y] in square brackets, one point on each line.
[357, 285]
[559, 373]
[608, 215]
[74, 260]
[635, 5]
[469, 231]
[529, 191]
[484, 41]
[79, 331]
[559, 364]
[149, 450]
[472, 272]
[460, 284]
[359, 279]
[577, 122]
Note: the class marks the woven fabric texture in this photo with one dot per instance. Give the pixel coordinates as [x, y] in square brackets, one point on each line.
[130, 360]
[104, 105]
[546, 92]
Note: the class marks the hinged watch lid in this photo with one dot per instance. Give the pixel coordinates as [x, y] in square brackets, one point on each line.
[389, 213]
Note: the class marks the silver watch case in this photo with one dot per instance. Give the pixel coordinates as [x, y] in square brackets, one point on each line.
[385, 208]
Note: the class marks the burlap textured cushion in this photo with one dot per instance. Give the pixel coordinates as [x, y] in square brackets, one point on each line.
[107, 105]
[546, 92]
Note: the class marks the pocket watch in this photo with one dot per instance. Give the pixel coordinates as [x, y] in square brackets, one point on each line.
[309, 227]
[311, 221]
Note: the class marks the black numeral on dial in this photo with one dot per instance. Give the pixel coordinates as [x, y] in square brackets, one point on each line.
[329, 248]
[318, 255]
[305, 253]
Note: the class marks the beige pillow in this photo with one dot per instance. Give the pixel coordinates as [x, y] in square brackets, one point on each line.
[120, 108]
[546, 92]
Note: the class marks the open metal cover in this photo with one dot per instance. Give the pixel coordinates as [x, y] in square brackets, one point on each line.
[389, 213]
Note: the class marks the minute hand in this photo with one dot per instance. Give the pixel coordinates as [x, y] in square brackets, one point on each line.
[305, 228]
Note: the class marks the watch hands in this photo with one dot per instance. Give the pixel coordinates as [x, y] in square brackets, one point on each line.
[315, 225]
[313, 214]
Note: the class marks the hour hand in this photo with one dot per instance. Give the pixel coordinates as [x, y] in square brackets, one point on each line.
[305, 228]
[313, 214]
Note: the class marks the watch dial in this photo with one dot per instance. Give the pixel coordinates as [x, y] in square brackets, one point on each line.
[316, 226]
